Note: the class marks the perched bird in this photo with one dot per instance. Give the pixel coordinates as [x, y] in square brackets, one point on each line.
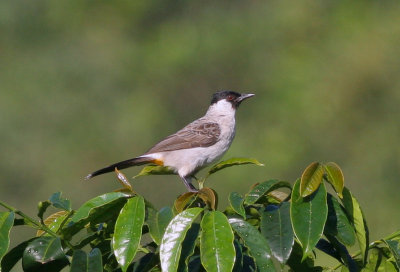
[195, 146]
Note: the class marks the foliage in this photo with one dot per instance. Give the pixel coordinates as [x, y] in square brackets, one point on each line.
[274, 225]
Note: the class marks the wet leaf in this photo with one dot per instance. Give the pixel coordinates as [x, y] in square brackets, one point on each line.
[13, 256]
[155, 170]
[264, 188]
[276, 227]
[356, 217]
[236, 202]
[308, 216]
[171, 243]
[188, 247]
[96, 210]
[256, 244]
[123, 180]
[53, 222]
[216, 242]
[44, 254]
[232, 162]
[311, 179]
[335, 177]
[128, 231]
[6, 223]
[158, 223]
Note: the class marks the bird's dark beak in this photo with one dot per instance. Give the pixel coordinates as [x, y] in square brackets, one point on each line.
[243, 97]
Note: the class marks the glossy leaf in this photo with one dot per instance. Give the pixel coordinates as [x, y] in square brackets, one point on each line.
[255, 243]
[60, 202]
[123, 180]
[53, 222]
[356, 217]
[184, 201]
[159, 222]
[216, 242]
[6, 223]
[155, 170]
[96, 210]
[236, 202]
[171, 243]
[311, 179]
[82, 262]
[44, 254]
[232, 162]
[276, 227]
[305, 265]
[337, 223]
[209, 196]
[335, 177]
[308, 216]
[394, 247]
[13, 256]
[264, 188]
[128, 231]
[188, 247]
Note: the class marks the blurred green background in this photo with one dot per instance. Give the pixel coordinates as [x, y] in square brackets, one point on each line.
[88, 83]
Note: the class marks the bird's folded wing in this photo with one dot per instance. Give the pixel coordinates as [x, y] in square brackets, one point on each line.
[196, 134]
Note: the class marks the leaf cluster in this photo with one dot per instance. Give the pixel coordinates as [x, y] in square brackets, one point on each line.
[274, 225]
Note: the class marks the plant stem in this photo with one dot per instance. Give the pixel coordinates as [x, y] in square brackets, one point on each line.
[29, 219]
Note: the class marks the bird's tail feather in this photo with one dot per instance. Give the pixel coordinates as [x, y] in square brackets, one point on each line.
[121, 165]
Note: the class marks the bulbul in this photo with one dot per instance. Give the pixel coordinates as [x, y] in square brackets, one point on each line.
[197, 145]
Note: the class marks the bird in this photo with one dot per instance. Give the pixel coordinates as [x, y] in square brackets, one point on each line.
[195, 146]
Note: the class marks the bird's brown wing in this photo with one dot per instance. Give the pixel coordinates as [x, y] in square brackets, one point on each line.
[196, 134]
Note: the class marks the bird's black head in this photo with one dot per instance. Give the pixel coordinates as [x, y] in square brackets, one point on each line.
[233, 97]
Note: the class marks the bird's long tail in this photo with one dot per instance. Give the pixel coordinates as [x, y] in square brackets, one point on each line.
[121, 165]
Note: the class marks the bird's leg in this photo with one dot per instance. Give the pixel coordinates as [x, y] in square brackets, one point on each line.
[189, 185]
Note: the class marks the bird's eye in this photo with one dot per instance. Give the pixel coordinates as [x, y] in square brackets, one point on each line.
[230, 97]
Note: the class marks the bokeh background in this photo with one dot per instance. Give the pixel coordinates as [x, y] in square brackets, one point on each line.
[88, 83]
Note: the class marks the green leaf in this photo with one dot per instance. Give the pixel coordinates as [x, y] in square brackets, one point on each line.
[82, 262]
[264, 188]
[311, 179]
[59, 202]
[379, 261]
[231, 162]
[128, 231]
[216, 242]
[356, 217]
[53, 222]
[158, 223]
[96, 210]
[171, 243]
[255, 243]
[44, 254]
[188, 247]
[394, 248]
[335, 177]
[276, 227]
[337, 223]
[236, 202]
[13, 256]
[297, 262]
[155, 170]
[6, 223]
[308, 216]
